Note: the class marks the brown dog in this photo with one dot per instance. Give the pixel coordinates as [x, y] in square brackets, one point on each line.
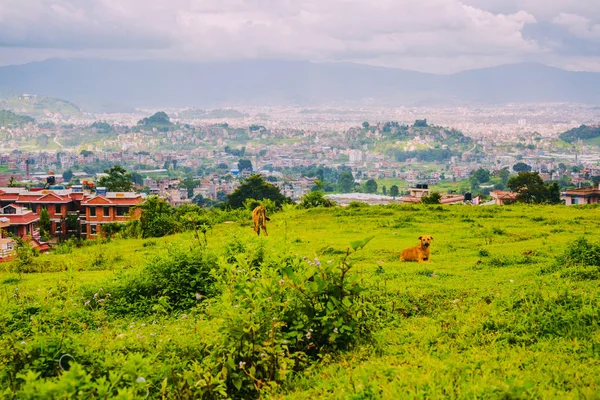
[419, 253]
[259, 217]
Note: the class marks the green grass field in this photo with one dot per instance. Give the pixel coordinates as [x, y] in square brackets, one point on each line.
[495, 314]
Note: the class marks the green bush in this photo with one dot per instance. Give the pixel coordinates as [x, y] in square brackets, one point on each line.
[172, 282]
[315, 199]
[580, 252]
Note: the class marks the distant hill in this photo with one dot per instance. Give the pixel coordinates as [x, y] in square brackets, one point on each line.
[159, 120]
[583, 132]
[94, 83]
[39, 106]
[9, 118]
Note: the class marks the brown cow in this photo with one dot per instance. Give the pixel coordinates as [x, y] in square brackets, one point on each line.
[259, 217]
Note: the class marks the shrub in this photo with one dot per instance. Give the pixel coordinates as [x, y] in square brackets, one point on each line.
[175, 281]
[580, 252]
[315, 199]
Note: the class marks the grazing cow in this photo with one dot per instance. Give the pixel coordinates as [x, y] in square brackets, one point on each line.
[418, 253]
[259, 217]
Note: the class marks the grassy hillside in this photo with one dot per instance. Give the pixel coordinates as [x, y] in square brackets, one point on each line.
[501, 311]
[41, 107]
[8, 118]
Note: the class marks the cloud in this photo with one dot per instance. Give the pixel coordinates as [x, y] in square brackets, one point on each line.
[433, 35]
[579, 26]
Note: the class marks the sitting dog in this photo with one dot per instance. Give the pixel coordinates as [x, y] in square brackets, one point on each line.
[418, 253]
[259, 217]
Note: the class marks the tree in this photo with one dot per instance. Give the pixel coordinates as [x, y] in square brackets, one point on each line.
[346, 181]
[554, 193]
[45, 224]
[433, 198]
[67, 175]
[365, 125]
[394, 191]
[157, 218]
[530, 188]
[245, 165]
[504, 174]
[86, 153]
[189, 184]
[118, 180]
[482, 175]
[384, 190]
[521, 167]
[137, 178]
[420, 123]
[255, 187]
[371, 186]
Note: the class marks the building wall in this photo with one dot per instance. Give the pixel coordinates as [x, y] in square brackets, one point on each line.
[100, 219]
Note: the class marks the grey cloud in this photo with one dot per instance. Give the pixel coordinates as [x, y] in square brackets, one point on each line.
[443, 34]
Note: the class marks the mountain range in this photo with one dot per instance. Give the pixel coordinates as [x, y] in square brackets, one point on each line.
[106, 85]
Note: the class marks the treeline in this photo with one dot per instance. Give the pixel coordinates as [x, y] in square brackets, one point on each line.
[429, 155]
[583, 132]
[9, 118]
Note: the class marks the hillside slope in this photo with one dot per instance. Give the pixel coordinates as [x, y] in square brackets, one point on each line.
[496, 314]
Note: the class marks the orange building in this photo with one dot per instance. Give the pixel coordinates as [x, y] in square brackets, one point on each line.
[107, 208]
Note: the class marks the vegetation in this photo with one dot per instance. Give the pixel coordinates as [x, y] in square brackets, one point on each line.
[521, 167]
[255, 187]
[159, 120]
[101, 127]
[530, 188]
[9, 118]
[118, 180]
[583, 132]
[508, 308]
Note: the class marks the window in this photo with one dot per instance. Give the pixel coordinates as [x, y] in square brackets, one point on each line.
[57, 209]
[107, 211]
[92, 211]
[122, 211]
[575, 200]
[93, 229]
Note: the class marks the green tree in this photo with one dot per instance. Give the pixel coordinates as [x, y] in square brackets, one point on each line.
[394, 192]
[137, 178]
[190, 184]
[346, 182]
[45, 224]
[482, 175]
[67, 175]
[245, 165]
[433, 198]
[420, 123]
[255, 187]
[157, 218]
[371, 186]
[118, 180]
[384, 190]
[521, 167]
[365, 125]
[530, 187]
[504, 174]
[554, 193]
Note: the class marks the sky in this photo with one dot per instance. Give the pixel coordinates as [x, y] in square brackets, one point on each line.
[439, 36]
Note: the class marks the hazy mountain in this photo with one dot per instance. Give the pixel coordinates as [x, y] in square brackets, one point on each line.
[94, 84]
